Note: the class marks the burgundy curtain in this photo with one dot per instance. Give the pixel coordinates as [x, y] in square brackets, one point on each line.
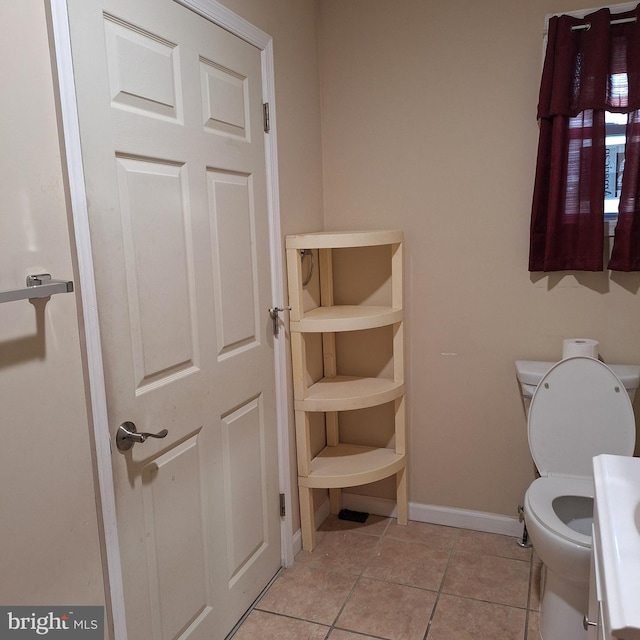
[586, 72]
[626, 247]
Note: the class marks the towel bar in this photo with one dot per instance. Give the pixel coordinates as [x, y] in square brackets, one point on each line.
[41, 285]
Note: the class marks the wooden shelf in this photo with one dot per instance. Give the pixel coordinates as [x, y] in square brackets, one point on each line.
[341, 465]
[346, 318]
[344, 393]
[342, 239]
[350, 465]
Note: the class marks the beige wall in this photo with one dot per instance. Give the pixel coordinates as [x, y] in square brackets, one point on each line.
[428, 123]
[50, 550]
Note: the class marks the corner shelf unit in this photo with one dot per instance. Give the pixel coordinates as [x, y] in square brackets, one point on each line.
[339, 465]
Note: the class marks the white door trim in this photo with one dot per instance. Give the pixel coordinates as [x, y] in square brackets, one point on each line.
[223, 17]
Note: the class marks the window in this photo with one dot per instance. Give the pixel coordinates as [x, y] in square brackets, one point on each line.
[588, 168]
[616, 124]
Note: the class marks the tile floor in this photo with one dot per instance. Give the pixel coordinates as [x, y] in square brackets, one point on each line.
[385, 581]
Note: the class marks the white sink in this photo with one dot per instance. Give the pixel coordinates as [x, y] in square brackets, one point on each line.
[617, 522]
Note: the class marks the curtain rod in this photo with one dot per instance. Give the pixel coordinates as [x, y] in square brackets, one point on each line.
[587, 26]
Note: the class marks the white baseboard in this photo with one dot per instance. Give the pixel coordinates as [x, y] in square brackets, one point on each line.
[467, 519]
[432, 514]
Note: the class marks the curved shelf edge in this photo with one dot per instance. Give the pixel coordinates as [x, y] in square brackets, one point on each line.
[350, 465]
[346, 318]
[344, 393]
[342, 239]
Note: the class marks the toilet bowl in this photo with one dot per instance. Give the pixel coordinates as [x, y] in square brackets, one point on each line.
[564, 551]
[549, 505]
[579, 410]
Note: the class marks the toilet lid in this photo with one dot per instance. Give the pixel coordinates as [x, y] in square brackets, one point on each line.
[579, 410]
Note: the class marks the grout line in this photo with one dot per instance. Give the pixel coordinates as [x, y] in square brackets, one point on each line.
[433, 613]
[526, 617]
[357, 633]
[452, 554]
[254, 605]
[346, 600]
[360, 575]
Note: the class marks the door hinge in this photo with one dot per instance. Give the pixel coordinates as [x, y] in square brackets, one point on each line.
[265, 114]
[283, 506]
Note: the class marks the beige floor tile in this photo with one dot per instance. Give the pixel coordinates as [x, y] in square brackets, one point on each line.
[374, 525]
[491, 544]
[499, 580]
[409, 563]
[485, 590]
[268, 626]
[387, 610]
[433, 535]
[308, 592]
[465, 619]
[341, 550]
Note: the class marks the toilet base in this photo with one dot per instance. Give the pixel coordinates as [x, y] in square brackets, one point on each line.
[563, 605]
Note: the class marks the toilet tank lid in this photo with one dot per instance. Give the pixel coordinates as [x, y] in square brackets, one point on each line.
[532, 371]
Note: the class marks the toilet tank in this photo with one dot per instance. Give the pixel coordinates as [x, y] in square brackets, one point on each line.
[530, 372]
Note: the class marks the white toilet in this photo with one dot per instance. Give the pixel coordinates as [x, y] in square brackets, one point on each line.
[579, 409]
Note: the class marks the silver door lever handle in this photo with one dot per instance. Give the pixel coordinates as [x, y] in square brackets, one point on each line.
[127, 435]
[273, 312]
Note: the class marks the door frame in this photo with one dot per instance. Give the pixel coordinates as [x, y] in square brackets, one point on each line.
[64, 85]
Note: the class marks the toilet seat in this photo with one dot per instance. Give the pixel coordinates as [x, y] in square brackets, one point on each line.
[579, 410]
[540, 497]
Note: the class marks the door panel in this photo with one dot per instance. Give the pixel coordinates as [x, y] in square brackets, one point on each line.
[224, 100]
[247, 530]
[154, 255]
[172, 484]
[144, 71]
[236, 278]
[170, 110]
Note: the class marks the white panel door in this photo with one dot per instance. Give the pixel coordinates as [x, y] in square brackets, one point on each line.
[170, 110]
